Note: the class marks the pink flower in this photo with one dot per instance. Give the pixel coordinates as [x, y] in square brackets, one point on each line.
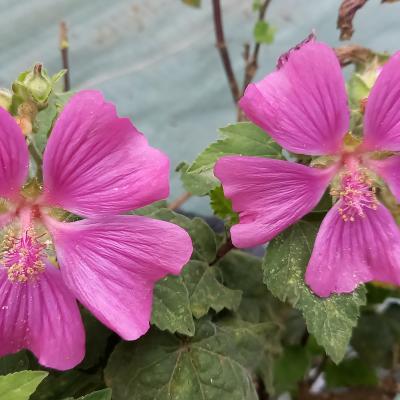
[303, 106]
[96, 165]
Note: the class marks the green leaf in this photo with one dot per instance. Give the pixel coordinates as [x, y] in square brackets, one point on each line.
[242, 271]
[325, 204]
[206, 291]
[357, 90]
[291, 368]
[331, 319]
[14, 362]
[373, 340]
[43, 124]
[150, 209]
[194, 292]
[351, 372]
[377, 336]
[46, 117]
[62, 98]
[199, 287]
[243, 138]
[263, 32]
[73, 383]
[295, 329]
[97, 336]
[56, 77]
[266, 372]
[171, 306]
[203, 237]
[256, 5]
[193, 3]
[356, 123]
[191, 182]
[217, 363]
[222, 206]
[20, 385]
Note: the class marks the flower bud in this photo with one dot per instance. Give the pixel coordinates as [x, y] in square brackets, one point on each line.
[38, 84]
[34, 85]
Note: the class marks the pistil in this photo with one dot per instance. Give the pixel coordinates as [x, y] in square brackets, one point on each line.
[356, 194]
[23, 256]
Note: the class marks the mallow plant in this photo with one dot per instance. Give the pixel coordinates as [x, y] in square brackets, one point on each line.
[107, 292]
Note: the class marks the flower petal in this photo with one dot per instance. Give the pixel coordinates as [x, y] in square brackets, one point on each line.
[269, 195]
[112, 263]
[388, 169]
[382, 113]
[14, 156]
[349, 253]
[302, 105]
[96, 163]
[42, 317]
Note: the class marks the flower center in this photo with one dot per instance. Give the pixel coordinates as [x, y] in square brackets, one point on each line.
[356, 193]
[23, 256]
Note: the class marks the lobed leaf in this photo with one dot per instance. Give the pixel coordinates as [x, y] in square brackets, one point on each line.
[72, 383]
[97, 336]
[222, 206]
[203, 237]
[242, 271]
[243, 138]
[331, 320]
[178, 298]
[215, 364]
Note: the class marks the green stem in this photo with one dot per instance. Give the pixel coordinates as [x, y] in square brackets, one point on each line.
[38, 160]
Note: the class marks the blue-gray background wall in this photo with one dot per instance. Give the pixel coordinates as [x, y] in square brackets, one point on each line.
[157, 61]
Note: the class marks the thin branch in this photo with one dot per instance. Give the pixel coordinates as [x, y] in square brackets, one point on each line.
[223, 250]
[180, 200]
[252, 62]
[223, 50]
[250, 69]
[64, 45]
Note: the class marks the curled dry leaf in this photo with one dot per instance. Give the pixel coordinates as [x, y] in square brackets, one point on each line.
[353, 54]
[347, 11]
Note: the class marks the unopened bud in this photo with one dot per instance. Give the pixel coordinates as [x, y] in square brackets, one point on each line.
[33, 85]
[38, 84]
